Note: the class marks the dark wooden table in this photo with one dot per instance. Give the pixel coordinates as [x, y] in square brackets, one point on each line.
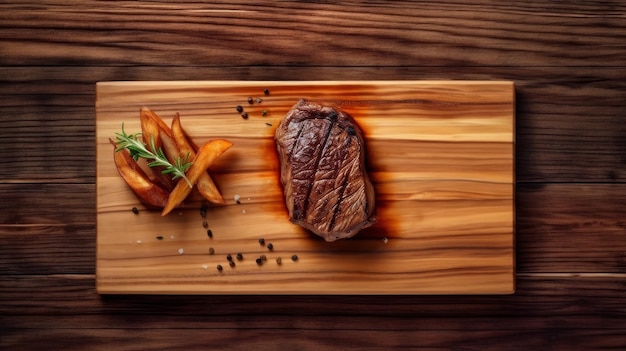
[568, 61]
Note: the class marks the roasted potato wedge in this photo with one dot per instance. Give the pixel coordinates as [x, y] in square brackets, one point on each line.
[206, 186]
[149, 193]
[154, 129]
[206, 155]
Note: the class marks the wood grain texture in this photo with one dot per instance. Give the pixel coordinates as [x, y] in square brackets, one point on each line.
[555, 231]
[592, 296]
[589, 101]
[510, 337]
[355, 33]
[545, 317]
[565, 57]
[447, 214]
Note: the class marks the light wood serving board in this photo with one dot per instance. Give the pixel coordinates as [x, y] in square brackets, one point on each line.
[440, 154]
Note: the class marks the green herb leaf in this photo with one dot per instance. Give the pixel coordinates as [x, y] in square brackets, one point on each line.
[138, 149]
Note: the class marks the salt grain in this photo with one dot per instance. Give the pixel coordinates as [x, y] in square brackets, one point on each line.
[385, 240]
[138, 241]
[243, 211]
[181, 251]
[204, 266]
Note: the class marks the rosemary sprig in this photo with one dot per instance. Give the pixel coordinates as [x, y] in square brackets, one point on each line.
[138, 149]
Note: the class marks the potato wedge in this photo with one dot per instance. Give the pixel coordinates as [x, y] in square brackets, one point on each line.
[180, 137]
[149, 193]
[208, 189]
[169, 147]
[206, 186]
[207, 154]
[190, 141]
[153, 128]
[143, 164]
[147, 115]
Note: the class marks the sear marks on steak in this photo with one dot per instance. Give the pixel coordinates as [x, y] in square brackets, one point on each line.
[322, 164]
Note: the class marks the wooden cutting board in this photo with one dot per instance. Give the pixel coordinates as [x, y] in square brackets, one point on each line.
[440, 154]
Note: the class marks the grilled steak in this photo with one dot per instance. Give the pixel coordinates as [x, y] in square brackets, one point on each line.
[326, 188]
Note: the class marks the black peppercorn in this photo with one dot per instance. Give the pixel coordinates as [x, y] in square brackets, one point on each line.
[231, 263]
[209, 233]
[203, 211]
[259, 100]
[266, 91]
[294, 258]
[240, 256]
[250, 101]
[229, 257]
[211, 251]
[263, 258]
[205, 224]
[135, 210]
[262, 241]
[279, 260]
[244, 115]
[264, 112]
[239, 108]
[259, 261]
[159, 237]
[219, 267]
[270, 246]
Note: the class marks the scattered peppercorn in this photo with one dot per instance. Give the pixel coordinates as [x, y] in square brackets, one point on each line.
[159, 237]
[270, 246]
[229, 257]
[231, 263]
[279, 260]
[259, 261]
[259, 100]
[244, 115]
[240, 256]
[264, 112]
[266, 91]
[219, 267]
[239, 108]
[205, 224]
[211, 251]
[250, 101]
[263, 257]
[262, 241]
[268, 124]
[203, 211]
[135, 210]
[294, 258]
[209, 233]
